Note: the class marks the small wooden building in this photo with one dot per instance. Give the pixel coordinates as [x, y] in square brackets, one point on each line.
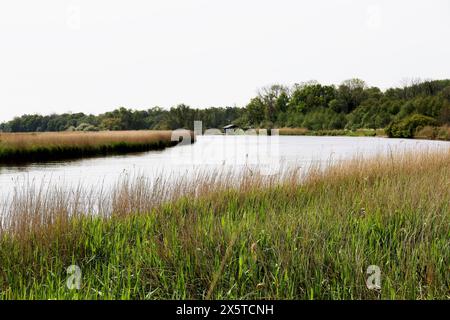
[230, 127]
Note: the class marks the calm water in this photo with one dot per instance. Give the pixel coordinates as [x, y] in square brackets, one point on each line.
[208, 153]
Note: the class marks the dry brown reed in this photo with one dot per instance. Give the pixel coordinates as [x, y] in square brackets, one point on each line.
[38, 207]
[293, 131]
[81, 139]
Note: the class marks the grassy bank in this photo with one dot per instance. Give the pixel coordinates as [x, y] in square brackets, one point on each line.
[433, 133]
[427, 132]
[31, 147]
[263, 238]
[348, 133]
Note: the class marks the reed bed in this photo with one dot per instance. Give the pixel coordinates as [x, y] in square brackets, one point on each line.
[27, 147]
[294, 131]
[433, 133]
[335, 132]
[224, 235]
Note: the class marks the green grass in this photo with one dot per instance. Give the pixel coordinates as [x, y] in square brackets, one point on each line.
[309, 240]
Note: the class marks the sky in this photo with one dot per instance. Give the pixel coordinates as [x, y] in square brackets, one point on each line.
[95, 55]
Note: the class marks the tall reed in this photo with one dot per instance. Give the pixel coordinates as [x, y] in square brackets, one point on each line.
[295, 235]
[26, 147]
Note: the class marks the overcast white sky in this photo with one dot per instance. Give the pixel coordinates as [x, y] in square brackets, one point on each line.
[95, 55]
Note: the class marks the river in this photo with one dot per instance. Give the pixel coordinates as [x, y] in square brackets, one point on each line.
[208, 153]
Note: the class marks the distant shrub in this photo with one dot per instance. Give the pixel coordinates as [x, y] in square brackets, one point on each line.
[443, 133]
[426, 132]
[86, 127]
[293, 131]
[406, 128]
[366, 132]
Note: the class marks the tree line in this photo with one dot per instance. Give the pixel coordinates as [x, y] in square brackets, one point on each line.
[351, 105]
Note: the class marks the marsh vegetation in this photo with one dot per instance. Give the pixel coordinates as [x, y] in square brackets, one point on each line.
[218, 235]
[49, 146]
[349, 108]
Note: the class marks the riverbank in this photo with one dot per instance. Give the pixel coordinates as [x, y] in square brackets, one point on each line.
[37, 147]
[434, 133]
[426, 133]
[343, 132]
[248, 238]
[330, 133]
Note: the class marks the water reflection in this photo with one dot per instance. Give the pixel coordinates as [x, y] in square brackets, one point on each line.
[209, 153]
